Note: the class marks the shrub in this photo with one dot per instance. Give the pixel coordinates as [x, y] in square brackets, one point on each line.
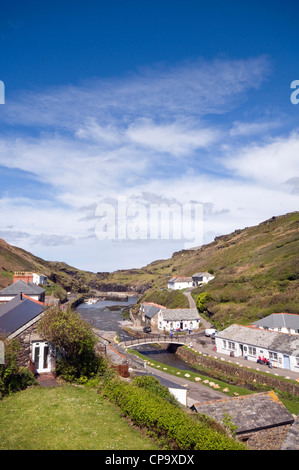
[76, 342]
[170, 425]
[12, 377]
[152, 384]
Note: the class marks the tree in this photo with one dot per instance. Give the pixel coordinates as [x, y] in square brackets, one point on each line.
[75, 341]
[202, 300]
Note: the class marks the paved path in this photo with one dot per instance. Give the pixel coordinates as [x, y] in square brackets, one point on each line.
[192, 304]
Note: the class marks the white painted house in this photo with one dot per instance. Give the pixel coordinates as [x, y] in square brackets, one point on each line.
[201, 278]
[283, 322]
[28, 288]
[177, 283]
[250, 342]
[174, 319]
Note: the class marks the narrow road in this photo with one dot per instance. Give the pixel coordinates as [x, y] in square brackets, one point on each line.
[192, 304]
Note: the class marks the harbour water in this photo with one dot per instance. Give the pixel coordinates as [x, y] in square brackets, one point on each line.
[106, 315]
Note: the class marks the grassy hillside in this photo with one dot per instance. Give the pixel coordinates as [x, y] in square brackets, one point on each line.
[256, 271]
[62, 278]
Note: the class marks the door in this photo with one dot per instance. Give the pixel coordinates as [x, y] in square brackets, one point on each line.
[286, 361]
[40, 356]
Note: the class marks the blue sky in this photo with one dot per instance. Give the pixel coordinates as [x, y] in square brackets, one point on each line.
[154, 101]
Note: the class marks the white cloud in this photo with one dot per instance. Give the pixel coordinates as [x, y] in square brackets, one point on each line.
[149, 137]
[271, 164]
[176, 139]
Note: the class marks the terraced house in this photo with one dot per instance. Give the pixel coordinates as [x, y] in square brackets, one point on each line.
[250, 342]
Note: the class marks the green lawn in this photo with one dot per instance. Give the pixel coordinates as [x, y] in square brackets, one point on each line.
[65, 418]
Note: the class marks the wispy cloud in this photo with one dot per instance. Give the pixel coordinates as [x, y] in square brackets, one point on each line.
[150, 137]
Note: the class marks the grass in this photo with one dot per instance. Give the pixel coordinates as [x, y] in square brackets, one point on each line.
[65, 418]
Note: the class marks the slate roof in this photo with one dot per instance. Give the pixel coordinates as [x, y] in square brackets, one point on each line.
[279, 320]
[272, 340]
[150, 309]
[179, 314]
[17, 313]
[202, 274]
[250, 413]
[21, 286]
[181, 279]
[291, 441]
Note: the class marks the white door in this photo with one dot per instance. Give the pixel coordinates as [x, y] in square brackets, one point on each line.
[40, 357]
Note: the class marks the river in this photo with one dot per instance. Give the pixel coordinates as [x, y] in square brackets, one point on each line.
[106, 315]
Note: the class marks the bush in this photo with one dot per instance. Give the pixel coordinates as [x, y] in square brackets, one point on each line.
[153, 385]
[170, 425]
[12, 377]
[75, 341]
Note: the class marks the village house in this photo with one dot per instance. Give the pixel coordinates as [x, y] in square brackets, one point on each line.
[18, 320]
[283, 322]
[250, 342]
[198, 279]
[168, 319]
[34, 278]
[28, 288]
[178, 319]
[147, 311]
[177, 283]
[260, 419]
[201, 278]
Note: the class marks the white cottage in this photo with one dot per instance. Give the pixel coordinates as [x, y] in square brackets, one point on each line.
[201, 278]
[283, 322]
[281, 349]
[177, 283]
[28, 288]
[178, 319]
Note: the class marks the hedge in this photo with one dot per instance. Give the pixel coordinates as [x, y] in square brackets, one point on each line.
[171, 426]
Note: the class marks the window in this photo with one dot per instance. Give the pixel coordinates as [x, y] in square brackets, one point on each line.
[229, 345]
[273, 356]
[297, 361]
[251, 351]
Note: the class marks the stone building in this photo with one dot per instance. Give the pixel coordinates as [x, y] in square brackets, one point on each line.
[260, 420]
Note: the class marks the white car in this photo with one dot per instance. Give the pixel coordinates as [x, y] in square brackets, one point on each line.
[211, 332]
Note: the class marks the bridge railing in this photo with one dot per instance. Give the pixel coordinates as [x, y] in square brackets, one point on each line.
[176, 339]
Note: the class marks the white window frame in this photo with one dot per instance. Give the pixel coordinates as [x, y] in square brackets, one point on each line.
[273, 356]
[252, 351]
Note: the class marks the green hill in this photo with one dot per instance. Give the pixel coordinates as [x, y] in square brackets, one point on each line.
[256, 271]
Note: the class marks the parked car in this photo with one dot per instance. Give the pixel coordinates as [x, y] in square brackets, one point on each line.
[147, 329]
[210, 332]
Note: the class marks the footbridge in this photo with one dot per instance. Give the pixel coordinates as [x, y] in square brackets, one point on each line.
[154, 339]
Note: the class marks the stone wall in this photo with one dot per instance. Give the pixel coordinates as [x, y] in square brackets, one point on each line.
[266, 439]
[240, 373]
